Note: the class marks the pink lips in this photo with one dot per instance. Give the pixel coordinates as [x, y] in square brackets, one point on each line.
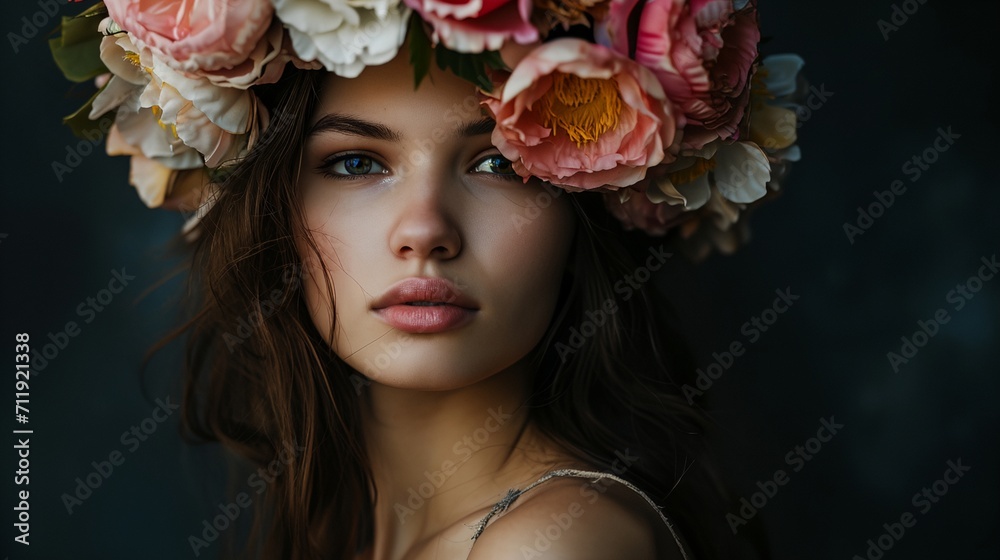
[424, 305]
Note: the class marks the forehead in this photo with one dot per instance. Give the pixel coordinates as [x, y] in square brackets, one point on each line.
[386, 93]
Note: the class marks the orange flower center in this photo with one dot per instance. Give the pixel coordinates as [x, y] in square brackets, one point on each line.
[133, 58]
[158, 112]
[688, 174]
[584, 108]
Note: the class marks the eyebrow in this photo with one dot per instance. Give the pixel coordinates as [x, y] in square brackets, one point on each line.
[484, 125]
[354, 126]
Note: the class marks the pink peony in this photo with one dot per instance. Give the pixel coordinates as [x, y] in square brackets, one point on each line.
[703, 54]
[473, 26]
[201, 36]
[581, 116]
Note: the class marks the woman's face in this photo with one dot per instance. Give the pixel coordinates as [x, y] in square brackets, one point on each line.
[445, 265]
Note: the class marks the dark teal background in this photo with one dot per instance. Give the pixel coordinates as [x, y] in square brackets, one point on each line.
[826, 356]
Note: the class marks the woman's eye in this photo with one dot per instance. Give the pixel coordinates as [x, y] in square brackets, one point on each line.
[352, 165]
[496, 165]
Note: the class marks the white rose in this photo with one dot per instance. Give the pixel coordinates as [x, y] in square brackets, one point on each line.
[345, 35]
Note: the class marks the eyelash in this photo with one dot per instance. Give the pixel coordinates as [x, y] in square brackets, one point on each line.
[500, 176]
[327, 167]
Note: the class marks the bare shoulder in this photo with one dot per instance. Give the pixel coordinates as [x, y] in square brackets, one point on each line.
[575, 519]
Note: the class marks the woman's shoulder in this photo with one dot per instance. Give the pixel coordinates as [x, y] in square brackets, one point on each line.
[578, 515]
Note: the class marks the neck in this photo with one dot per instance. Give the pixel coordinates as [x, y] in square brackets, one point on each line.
[440, 456]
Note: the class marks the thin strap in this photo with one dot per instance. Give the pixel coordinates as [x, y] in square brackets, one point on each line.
[513, 494]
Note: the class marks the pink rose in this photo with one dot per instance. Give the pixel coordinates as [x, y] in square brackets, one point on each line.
[703, 54]
[473, 26]
[201, 37]
[581, 116]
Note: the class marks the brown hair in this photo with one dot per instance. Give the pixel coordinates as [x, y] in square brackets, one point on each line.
[260, 376]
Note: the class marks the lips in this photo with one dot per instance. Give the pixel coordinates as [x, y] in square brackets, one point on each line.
[424, 305]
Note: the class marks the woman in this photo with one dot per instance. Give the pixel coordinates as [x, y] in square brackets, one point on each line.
[457, 353]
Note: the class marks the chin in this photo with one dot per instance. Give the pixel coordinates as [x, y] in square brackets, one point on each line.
[425, 364]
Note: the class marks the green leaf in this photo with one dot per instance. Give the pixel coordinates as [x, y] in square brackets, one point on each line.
[81, 125]
[470, 66]
[77, 51]
[420, 50]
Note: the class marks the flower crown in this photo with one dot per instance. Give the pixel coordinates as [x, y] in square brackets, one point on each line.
[663, 105]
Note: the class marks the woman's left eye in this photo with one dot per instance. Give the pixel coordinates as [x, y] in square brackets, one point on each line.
[495, 165]
[352, 165]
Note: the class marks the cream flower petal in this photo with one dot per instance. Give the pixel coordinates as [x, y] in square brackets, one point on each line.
[229, 108]
[773, 127]
[741, 172]
[141, 133]
[150, 179]
[113, 54]
[195, 130]
[113, 95]
[345, 36]
[314, 16]
[116, 145]
[696, 193]
[662, 190]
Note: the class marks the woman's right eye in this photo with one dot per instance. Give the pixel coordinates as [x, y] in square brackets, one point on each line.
[348, 166]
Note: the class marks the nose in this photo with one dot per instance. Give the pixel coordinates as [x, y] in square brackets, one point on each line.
[426, 226]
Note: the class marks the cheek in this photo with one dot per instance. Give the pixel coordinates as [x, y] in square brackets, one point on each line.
[343, 255]
[317, 294]
[529, 261]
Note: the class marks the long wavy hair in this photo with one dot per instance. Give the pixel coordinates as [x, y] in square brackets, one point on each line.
[260, 378]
